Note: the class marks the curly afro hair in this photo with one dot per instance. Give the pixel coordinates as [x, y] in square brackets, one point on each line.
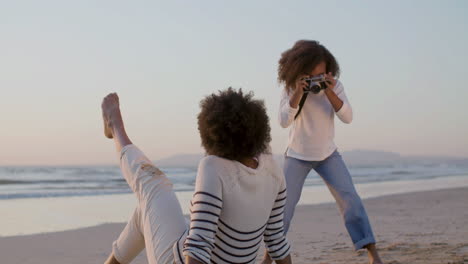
[233, 125]
[302, 58]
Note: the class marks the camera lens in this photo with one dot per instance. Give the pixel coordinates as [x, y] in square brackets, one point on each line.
[315, 88]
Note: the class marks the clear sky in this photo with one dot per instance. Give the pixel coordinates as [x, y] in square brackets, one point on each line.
[403, 68]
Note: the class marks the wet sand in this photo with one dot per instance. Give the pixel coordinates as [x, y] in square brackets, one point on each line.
[422, 227]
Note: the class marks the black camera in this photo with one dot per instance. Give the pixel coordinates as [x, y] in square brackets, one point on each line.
[315, 84]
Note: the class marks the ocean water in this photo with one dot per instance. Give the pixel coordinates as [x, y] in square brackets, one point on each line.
[50, 199]
[39, 182]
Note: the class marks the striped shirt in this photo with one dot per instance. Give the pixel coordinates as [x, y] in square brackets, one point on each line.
[233, 209]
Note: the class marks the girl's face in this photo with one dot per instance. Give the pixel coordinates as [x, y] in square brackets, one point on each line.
[319, 69]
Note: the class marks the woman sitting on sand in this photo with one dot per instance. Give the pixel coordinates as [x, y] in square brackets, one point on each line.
[310, 145]
[239, 194]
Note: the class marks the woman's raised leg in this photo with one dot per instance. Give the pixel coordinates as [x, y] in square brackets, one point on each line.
[130, 242]
[161, 221]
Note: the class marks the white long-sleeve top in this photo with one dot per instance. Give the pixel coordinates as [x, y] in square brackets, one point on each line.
[233, 208]
[311, 136]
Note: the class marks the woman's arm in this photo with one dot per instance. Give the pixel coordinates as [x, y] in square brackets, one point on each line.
[277, 246]
[113, 122]
[205, 209]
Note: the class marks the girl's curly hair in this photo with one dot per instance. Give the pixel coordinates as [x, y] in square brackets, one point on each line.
[233, 125]
[302, 58]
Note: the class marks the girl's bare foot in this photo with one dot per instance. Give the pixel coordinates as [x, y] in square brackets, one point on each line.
[110, 113]
[107, 127]
[374, 257]
[113, 123]
[266, 258]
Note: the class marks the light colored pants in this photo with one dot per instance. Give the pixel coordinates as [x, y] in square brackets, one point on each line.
[157, 221]
[335, 174]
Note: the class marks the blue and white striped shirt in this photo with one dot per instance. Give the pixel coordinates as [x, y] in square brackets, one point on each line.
[233, 208]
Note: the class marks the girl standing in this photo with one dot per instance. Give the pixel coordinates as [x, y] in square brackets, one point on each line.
[310, 144]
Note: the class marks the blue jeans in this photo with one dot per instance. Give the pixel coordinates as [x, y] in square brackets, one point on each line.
[335, 174]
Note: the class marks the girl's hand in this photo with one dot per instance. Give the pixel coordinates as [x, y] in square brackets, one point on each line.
[301, 84]
[298, 91]
[331, 81]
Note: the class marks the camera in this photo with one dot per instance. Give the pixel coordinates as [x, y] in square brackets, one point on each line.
[315, 84]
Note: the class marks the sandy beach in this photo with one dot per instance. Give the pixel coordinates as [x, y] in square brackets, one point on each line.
[421, 227]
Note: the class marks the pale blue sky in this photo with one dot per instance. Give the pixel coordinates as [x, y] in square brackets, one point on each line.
[403, 68]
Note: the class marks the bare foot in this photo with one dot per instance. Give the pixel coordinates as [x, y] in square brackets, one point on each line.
[110, 113]
[266, 258]
[373, 260]
[373, 255]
